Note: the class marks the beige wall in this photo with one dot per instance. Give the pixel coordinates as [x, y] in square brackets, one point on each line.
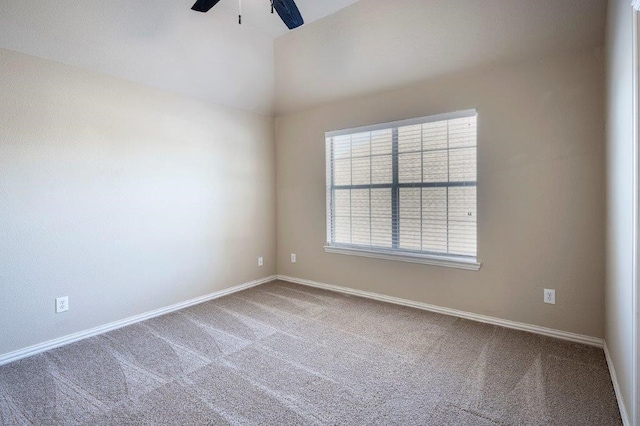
[540, 199]
[122, 197]
[619, 117]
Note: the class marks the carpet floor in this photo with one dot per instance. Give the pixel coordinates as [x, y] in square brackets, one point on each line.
[284, 354]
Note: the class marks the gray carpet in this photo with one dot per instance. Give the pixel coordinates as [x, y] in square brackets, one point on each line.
[286, 354]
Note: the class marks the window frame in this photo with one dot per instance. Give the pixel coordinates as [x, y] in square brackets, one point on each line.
[394, 252]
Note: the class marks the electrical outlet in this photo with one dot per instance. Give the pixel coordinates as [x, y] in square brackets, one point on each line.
[293, 258]
[549, 296]
[62, 304]
[260, 261]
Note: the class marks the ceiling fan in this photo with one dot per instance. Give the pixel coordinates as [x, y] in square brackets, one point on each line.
[287, 10]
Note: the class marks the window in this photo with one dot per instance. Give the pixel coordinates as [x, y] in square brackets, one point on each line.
[405, 190]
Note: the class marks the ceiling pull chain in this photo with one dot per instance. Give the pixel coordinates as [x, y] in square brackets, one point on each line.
[240, 12]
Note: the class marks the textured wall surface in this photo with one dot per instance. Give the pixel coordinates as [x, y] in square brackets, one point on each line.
[540, 193]
[122, 197]
[619, 113]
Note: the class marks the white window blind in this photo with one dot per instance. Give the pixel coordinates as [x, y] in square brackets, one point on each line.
[407, 187]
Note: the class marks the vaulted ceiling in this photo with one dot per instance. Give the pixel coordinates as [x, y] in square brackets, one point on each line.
[161, 43]
[346, 48]
[376, 45]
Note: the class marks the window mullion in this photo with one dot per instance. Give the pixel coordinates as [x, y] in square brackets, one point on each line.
[421, 181]
[395, 192]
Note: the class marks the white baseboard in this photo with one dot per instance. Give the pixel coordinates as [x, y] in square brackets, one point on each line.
[565, 335]
[616, 387]
[573, 337]
[65, 340]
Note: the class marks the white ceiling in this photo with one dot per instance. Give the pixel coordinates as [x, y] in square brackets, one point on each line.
[376, 45]
[370, 46]
[161, 43]
[257, 12]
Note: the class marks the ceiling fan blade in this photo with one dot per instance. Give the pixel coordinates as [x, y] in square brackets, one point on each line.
[289, 13]
[204, 5]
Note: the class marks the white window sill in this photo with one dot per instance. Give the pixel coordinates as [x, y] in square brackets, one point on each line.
[446, 261]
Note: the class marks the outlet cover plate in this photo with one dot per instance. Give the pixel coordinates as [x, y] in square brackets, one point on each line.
[260, 261]
[62, 304]
[293, 258]
[549, 296]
